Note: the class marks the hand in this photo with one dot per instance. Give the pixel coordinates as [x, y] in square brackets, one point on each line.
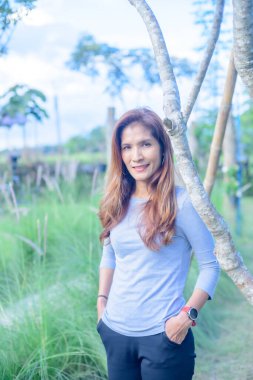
[177, 327]
[101, 304]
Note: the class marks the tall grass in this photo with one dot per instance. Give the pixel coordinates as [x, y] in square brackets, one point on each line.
[48, 302]
[48, 285]
[224, 339]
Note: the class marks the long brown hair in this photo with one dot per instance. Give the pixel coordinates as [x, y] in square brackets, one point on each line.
[159, 212]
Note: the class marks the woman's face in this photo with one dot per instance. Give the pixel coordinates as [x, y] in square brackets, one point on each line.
[140, 152]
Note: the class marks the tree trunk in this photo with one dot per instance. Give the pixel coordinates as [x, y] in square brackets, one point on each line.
[25, 150]
[24, 137]
[243, 41]
[109, 127]
[229, 259]
[7, 136]
[58, 124]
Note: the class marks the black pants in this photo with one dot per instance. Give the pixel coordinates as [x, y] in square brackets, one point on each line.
[152, 357]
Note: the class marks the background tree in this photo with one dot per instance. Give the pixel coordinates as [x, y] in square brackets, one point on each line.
[203, 132]
[212, 87]
[91, 58]
[120, 66]
[21, 104]
[204, 14]
[247, 127]
[94, 141]
[10, 13]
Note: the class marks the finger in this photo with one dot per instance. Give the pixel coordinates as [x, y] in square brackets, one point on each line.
[182, 338]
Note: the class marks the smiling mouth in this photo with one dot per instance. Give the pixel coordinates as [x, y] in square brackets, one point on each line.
[140, 168]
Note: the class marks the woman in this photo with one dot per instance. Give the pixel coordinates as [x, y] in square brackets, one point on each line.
[149, 231]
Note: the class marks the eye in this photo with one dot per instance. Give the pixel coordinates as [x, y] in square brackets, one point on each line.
[126, 147]
[147, 144]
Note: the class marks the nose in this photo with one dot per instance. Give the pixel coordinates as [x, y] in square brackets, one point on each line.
[137, 154]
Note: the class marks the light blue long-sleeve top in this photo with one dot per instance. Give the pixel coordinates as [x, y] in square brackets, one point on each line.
[147, 286]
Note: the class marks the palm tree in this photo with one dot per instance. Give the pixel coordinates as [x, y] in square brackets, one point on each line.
[21, 104]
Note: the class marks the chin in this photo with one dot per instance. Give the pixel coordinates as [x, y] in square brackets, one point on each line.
[142, 178]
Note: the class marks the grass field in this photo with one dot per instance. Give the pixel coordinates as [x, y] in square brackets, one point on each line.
[51, 158]
[228, 354]
[48, 285]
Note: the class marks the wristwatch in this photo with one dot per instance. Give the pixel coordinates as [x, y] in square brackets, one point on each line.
[192, 313]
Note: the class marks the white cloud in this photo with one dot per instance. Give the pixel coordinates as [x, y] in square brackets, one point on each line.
[25, 69]
[43, 41]
[38, 17]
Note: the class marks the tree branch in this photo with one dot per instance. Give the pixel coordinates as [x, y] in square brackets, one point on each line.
[243, 41]
[171, 96]
[214, 35]
[225, 250]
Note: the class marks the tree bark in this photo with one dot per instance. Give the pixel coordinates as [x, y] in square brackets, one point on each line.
[243, 41]
[206, 59]
[220, 126]
[229, 259]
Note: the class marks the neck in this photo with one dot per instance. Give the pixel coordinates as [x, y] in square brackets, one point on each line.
[141, 191]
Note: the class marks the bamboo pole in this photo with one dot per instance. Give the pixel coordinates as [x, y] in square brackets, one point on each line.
[220, 126]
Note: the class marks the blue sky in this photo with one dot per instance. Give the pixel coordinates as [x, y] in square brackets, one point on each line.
[43, 41]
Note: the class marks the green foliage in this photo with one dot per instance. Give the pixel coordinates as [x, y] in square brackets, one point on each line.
[247, 130]
[227, 356]
[21, 103]
[91, 58]
[83, 157]
[231, 183]
[10, 13]
[94, 141]
[203, 132]
[204, 15]
[76, 144]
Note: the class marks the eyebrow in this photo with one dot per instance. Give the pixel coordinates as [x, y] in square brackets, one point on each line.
[140, 142]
